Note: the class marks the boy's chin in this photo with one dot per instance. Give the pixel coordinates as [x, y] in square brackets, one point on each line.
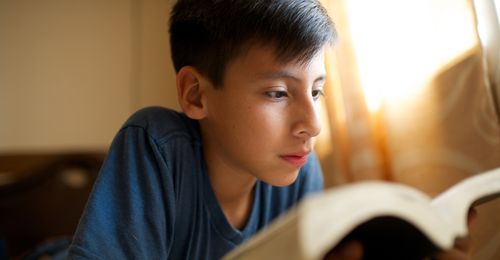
[284, 179]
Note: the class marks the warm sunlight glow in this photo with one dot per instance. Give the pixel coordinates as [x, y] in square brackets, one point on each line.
[497, 8]
[399, 45]
[488, 21]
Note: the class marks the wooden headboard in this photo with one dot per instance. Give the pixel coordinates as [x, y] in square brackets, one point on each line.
[42, 196]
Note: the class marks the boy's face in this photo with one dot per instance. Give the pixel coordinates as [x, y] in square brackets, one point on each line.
[263, 120]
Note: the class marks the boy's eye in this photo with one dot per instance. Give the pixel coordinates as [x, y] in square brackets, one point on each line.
[277, 94]
[317, 93]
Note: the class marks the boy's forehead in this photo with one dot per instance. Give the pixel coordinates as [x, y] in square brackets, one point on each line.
[267, 56]
[263, 62]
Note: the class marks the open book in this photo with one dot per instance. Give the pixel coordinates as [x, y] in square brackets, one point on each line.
[391, 220]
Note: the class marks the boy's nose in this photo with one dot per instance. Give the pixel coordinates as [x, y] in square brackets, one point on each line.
[307, 120]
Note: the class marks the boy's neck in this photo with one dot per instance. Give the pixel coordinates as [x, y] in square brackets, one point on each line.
[234, 192]
[234, 195]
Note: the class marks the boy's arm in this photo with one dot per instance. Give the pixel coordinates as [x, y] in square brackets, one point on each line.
[129, 214]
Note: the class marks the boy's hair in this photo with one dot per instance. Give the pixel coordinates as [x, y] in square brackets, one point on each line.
[209, 34]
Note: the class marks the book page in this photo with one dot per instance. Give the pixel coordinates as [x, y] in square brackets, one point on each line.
[454, 203]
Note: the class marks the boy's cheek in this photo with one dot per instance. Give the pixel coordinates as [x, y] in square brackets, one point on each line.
[313, 141]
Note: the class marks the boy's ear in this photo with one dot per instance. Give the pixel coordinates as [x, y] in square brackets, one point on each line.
[190, 91]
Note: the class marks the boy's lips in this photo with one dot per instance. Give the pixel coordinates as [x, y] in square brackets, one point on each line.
[297, 159]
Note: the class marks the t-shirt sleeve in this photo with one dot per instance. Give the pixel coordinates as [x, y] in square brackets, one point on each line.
[130, 212]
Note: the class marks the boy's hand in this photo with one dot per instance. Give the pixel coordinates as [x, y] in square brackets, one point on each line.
[462, 248]
[353, 250]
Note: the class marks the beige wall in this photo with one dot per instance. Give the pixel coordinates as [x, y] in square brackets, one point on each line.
[72, 71]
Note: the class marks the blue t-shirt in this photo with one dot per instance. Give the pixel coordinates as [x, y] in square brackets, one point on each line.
[153, 199]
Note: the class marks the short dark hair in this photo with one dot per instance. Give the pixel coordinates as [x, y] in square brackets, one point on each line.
[208, 34]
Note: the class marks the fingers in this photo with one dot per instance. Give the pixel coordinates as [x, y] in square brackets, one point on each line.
[350, 250]
[353, 250]
[453, 254]
[462, 247]
[471, 218]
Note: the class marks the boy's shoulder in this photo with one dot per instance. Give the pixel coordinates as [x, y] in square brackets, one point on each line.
[161, 122]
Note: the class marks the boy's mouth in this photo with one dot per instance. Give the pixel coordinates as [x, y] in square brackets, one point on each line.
[298, 159]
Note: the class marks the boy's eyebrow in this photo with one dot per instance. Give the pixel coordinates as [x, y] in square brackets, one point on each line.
[283, 74]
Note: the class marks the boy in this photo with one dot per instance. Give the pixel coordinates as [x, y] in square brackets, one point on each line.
[197, 184]
[194, 185]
